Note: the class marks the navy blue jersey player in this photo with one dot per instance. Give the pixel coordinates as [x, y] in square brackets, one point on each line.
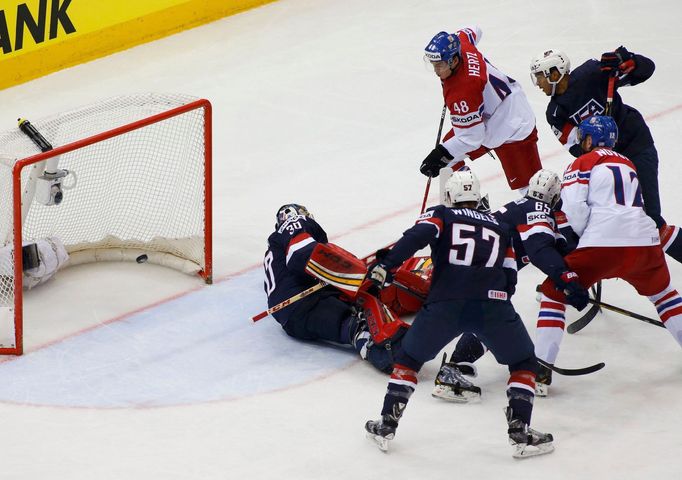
[323, 315]
[581, 93]
[542, 237]
[474, 275]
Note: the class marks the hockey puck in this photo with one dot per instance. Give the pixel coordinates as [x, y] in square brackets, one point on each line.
[141, 259]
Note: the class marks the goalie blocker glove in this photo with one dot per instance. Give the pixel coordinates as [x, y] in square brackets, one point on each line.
[434, 161]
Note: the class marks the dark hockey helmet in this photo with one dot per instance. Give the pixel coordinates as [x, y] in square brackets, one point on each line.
[602, 129]
[290, 210]
[444, 47]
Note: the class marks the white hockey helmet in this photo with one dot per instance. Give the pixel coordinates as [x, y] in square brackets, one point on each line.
[462, 186]
[546, 61]
[545, 186]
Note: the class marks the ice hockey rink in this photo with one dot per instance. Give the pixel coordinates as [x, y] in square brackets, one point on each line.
[140, 372]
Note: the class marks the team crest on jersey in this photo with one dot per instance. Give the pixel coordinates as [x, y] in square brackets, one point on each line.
[590, 109]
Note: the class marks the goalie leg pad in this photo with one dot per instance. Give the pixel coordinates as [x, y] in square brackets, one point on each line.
[384, 326]
[337, 267]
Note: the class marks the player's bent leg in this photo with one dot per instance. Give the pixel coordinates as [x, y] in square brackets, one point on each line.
[549, 333]
[668, 304]
[401, 386]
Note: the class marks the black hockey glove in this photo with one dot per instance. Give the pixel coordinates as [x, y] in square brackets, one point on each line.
[620, 61]
[434, 161]
[576, 295]
[379, 276]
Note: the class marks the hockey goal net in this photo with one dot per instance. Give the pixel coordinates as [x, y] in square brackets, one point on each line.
[128, 178]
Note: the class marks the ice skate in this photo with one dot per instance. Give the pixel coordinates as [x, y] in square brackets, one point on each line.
[381, 431]
[452, 386]
[526, 441]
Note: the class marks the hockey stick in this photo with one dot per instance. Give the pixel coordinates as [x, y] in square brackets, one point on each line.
[582, 322]
[428, 182]
[573, 372]
[288, 301]
[628, 313]
[303, 294]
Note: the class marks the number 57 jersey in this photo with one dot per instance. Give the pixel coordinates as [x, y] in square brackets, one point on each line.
[472, 255]
[602, 200]
[486, 106]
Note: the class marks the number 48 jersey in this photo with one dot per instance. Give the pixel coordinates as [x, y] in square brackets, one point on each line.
[486, 106]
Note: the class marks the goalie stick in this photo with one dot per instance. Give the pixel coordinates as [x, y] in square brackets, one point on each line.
[303, 294]
[573, 372]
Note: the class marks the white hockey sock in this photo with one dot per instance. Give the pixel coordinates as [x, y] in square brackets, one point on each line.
[668, 304]
[550, 329]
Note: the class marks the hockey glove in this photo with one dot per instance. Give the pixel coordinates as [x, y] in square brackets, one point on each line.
[620, 61]
[576, 295]
[379, 276]
[434, 161]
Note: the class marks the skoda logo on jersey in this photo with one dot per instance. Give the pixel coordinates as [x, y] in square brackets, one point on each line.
[590, 109]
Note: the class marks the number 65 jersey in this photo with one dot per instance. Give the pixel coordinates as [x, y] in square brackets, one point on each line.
[603, 203]
[487, 108]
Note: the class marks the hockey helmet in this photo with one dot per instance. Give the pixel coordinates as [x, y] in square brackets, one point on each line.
[546, 61]
[462, 186]
[291, 210]
[602, 129]
[545, 186]
[444, 47]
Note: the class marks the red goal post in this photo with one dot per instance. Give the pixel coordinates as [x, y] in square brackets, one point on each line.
[135, 179]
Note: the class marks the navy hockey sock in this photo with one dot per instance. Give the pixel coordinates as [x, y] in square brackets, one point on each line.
[400, 388]
[521, 393]
[468, 349]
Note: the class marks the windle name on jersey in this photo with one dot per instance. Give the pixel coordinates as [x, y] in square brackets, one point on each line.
[474, 214]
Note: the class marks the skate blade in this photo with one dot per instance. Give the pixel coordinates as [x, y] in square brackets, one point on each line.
[526, 451]
[379, 441]
[447, 394]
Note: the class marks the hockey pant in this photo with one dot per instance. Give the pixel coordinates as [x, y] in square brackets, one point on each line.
[642, 267]
[520, 160]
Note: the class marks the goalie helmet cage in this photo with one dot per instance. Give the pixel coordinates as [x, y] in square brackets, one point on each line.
[136, 181]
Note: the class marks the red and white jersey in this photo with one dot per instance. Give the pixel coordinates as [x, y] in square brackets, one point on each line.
[602, 200]
[486, 106]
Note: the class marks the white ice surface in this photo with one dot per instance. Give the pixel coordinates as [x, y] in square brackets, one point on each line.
[138, 372]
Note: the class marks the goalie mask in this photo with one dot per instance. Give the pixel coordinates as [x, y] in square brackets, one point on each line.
[291, 210]
[462, 186]
[545, 186]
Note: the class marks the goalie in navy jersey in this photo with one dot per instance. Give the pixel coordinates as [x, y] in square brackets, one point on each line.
[582, 93]
[474, 276]
[336, 315]
[542, 237]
